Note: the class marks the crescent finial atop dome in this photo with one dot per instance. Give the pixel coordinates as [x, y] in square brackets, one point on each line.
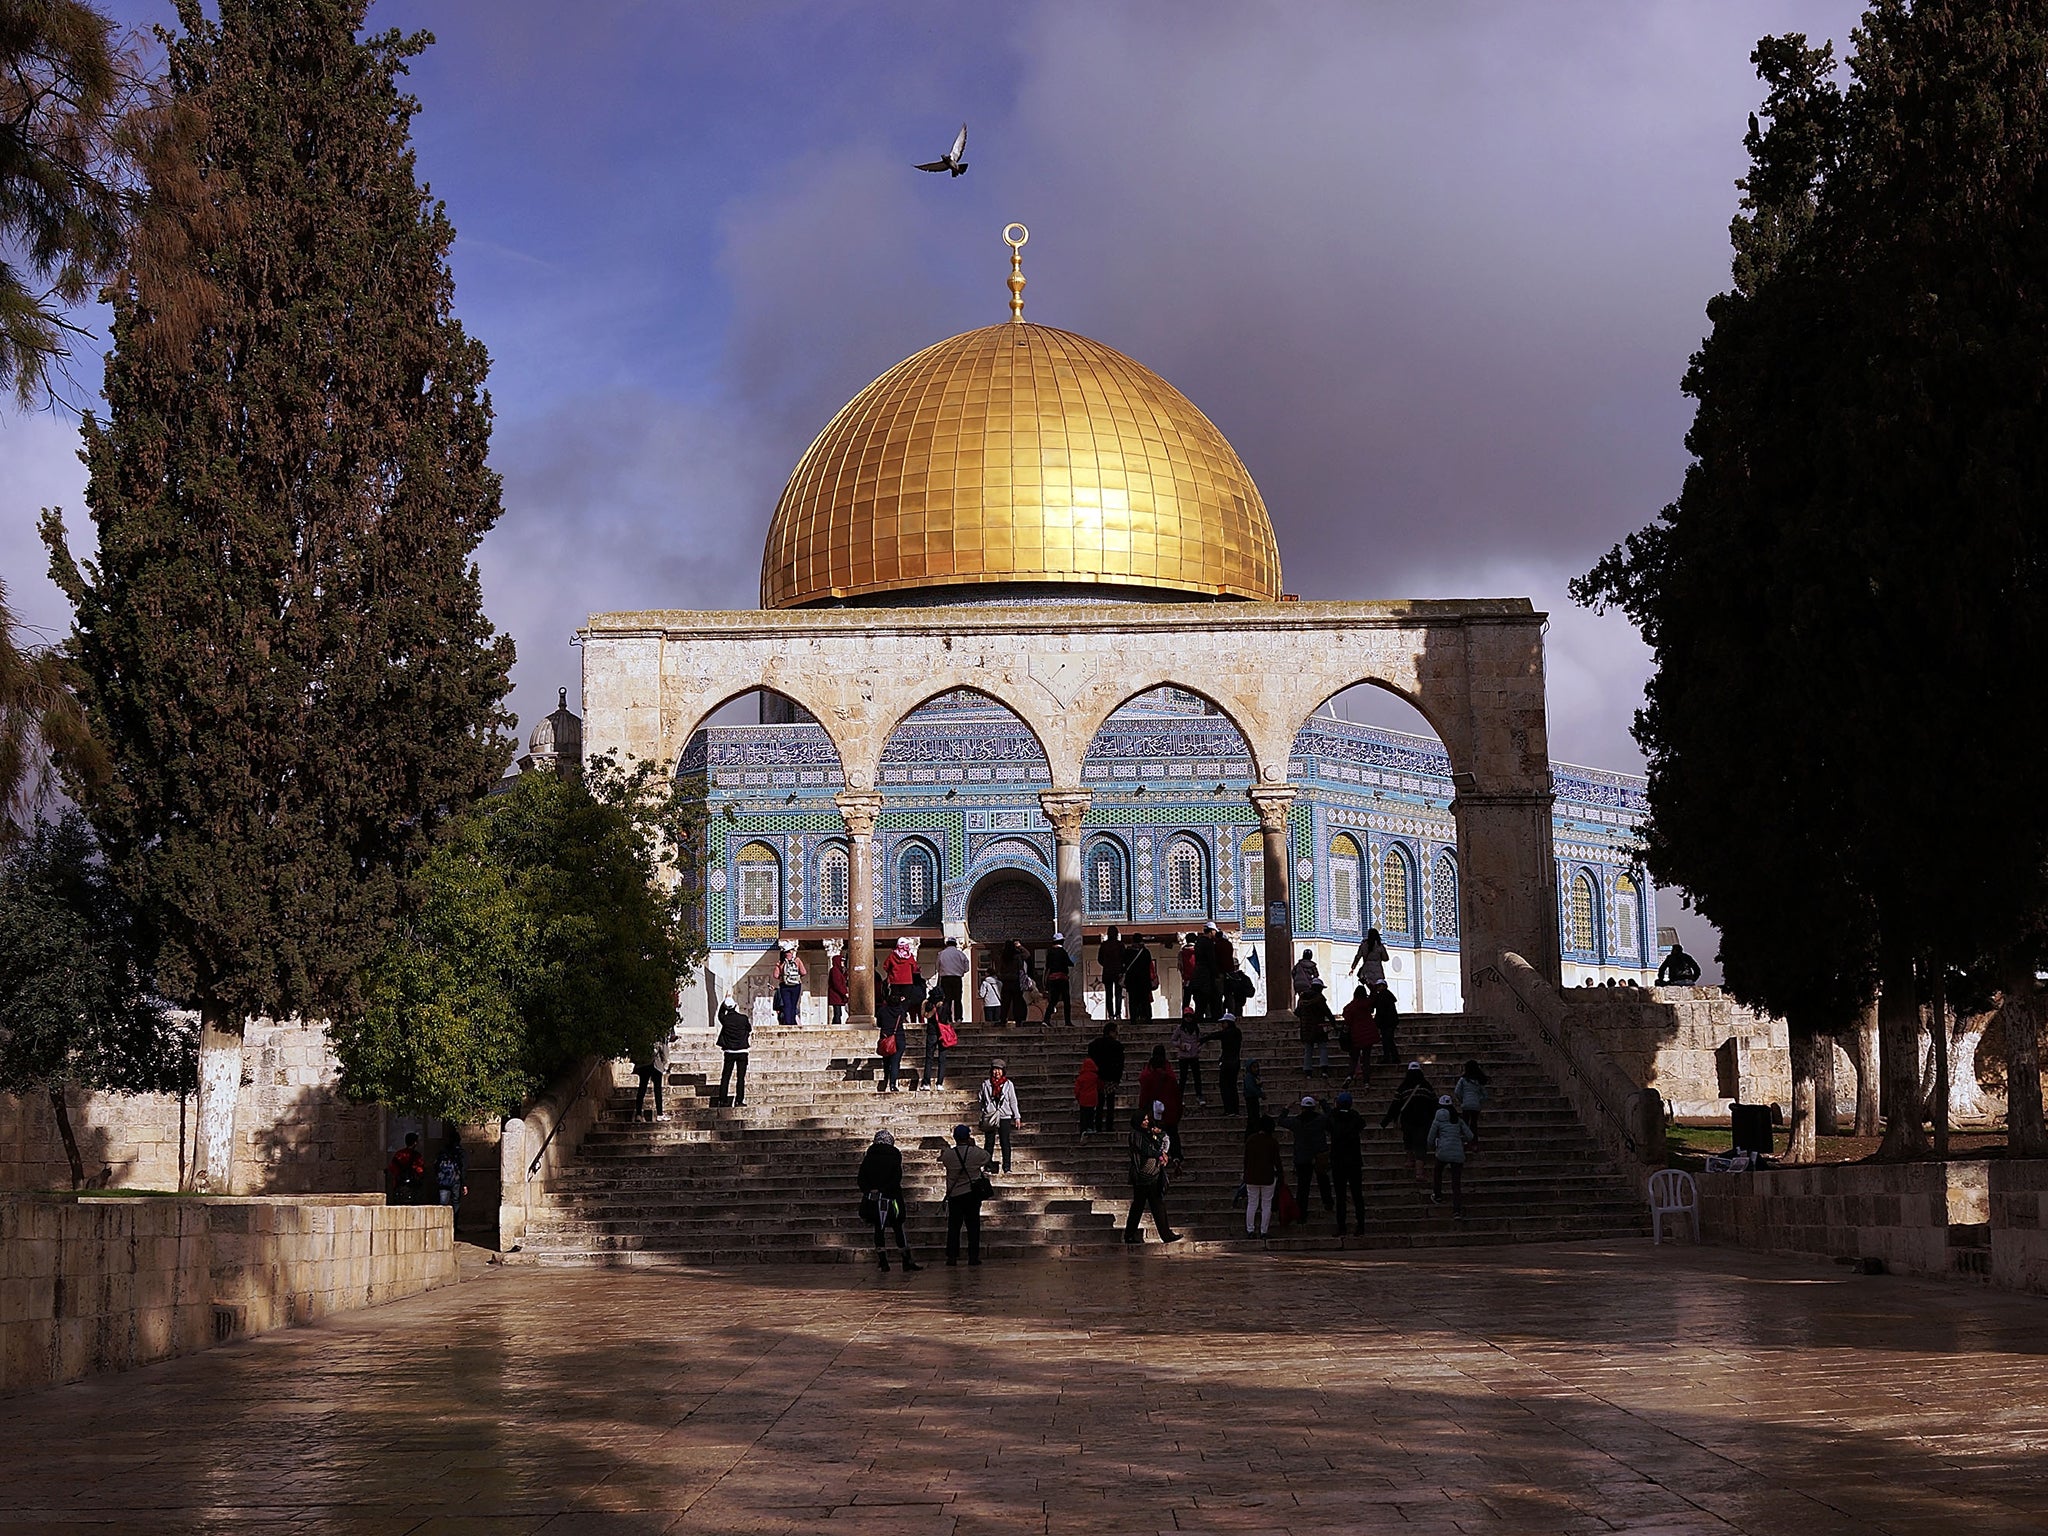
[1016, 236]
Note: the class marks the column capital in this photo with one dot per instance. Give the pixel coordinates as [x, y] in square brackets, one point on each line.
[1064, 808]
[1272, 802]
[858, 811]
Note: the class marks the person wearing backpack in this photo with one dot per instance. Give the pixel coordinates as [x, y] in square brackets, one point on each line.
[966, 1168]
[1088, 1093]
[1151, 1149]
[1059, 966]
[1448, 1137]
[650, 1065]
[991, 999]
[1415, 1107]
[939, 1037]
[899, 971]
[881, 1198]
[889, 1048]
[1469, 1095]
[735, 1030]
[451, 1172]
[789, 985]
[1261, 1175]
[1141, 980]
[1000, 1117]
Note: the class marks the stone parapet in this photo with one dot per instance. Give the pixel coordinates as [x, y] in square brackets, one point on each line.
[89, 1285]
[1978, 1220]
[535, 1148]
[1677, 1040]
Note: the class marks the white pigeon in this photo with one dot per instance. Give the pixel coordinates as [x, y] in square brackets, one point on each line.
[952, 161]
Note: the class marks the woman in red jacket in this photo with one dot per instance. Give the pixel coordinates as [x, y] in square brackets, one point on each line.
[838, 989]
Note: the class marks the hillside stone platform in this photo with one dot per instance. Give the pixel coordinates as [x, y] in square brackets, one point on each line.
[774, 1181]
[1576, 1388]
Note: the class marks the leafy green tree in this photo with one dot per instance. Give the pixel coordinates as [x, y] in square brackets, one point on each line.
[283, 643]
[1846, 600]
[536, 934]
[76, 1008]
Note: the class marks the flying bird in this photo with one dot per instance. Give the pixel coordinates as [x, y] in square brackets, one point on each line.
[951, 160]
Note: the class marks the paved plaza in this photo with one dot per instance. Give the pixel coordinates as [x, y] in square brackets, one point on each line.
[1569, 1388]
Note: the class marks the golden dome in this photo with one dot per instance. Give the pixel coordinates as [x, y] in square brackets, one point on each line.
[1019, 454]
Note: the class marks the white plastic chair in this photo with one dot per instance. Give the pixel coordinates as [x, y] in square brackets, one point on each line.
[1673, 1193]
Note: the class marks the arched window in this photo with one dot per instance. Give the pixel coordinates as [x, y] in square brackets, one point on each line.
[760, 908]
[1253, 854]
[834, 883]
[1345, 869]
[1579, 922]
[917, 885]
[1394, 883]
[1443, 897]
[1186, 890]
[1628, 904]
[1106, 878]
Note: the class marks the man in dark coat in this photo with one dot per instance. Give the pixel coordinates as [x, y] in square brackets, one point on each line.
[1107, 1052]
[735, 1030]
[881, 1197]
[1311, 1129]
[1347, 1159]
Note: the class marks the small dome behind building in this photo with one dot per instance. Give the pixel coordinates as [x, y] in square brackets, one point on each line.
[556, 745]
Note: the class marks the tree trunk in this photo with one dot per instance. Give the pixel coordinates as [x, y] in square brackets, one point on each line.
[66, 1135]
[1938, 1027]
[1898, 1039]
[1806, 1046]
[1824, 1090]
[1866, 1071]
[2025, 1136]
[183, 1167]
[1965, 1093]
[220, 1080]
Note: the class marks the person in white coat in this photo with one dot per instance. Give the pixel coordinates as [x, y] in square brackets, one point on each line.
[1448, 1136]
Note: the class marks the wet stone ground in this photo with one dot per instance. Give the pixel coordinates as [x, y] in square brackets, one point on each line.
[1572, 1388]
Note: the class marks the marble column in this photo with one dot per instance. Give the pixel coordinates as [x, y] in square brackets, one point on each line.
[1064, 808]
[859, 812]
[1272, 802]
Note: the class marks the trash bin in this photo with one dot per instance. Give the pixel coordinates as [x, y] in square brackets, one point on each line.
[1750, 1127]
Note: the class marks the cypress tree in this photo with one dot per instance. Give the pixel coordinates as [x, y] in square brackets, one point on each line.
[282, 642]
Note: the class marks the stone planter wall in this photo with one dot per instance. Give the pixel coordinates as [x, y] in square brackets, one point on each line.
[92, 1285]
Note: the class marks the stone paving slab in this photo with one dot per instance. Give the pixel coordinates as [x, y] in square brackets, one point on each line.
[1573, 1389]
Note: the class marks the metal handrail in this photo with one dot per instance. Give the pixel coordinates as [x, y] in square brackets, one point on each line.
[534, 1167]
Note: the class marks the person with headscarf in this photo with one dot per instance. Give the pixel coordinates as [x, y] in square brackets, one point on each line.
[965, 1166]
[1414, 1105]
[881, 1198]
[1311, 1130]
[1000, 1117]
[1151, 1151]
[899, 971]
[735, 1030]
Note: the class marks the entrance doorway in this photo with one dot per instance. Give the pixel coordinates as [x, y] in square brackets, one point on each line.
[1007, 904]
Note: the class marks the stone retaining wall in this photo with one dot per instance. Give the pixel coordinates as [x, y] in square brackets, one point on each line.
[1980, 1220]
[1666, 1039]
[91, 1285]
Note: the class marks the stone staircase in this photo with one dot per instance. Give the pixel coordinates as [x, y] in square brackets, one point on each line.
[773, 1181]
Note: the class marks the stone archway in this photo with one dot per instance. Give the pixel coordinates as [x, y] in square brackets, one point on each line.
[1009, 904]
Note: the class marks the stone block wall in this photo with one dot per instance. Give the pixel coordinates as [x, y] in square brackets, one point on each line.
[1979, 1220]
[94, 1285]
[1666, 1039]
[294, 1133]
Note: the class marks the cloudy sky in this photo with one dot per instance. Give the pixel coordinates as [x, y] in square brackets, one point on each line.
[1435, 270]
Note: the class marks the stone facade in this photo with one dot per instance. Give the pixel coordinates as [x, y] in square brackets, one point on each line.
[1164, 839]
[94, 1285]
[1473, 669]
[1678, 1040]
